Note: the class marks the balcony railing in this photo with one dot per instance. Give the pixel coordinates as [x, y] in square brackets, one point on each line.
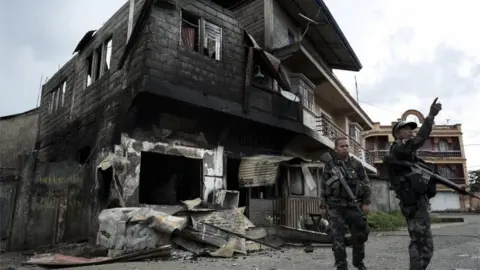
[274, 103]
[457, 180]
[328, 129]
[379, 154]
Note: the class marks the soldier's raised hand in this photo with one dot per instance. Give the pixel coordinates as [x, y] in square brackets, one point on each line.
[435, 108]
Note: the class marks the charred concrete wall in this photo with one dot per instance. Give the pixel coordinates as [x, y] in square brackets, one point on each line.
[52, 205]
[76, 121]
[169, 60]
[17, 136]
[125, 162]
[252, 18]
[73, 112]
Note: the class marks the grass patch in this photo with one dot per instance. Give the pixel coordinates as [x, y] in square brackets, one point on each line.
[382, 221]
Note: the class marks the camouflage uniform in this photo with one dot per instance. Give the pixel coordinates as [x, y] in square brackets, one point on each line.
[414, 204]
[342, 211]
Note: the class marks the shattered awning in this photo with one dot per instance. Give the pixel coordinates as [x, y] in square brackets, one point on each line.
[260, 170]
[272, 62]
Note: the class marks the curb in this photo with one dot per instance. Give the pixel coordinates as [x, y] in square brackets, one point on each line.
[448, 219]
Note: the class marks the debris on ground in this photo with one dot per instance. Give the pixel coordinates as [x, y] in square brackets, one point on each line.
[196, 228]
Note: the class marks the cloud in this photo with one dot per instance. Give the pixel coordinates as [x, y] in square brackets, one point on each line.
[412, 54]
[412, 51]
[41, 37]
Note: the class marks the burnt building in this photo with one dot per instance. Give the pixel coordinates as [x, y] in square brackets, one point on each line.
[165, 100]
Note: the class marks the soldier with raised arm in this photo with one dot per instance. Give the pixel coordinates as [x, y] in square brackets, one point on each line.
[343, 209]
[414, 195]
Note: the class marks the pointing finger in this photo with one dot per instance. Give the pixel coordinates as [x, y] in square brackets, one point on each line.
[435, 101]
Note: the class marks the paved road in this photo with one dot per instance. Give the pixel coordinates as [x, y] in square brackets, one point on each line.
[456, 247]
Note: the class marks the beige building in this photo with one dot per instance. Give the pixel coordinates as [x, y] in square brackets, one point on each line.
[444, 149]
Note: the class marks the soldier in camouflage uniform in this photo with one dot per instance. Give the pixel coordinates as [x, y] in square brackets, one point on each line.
[342, 210]
[414, 199]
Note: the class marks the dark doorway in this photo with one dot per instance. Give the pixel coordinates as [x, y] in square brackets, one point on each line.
[167, 179]
[233, 166]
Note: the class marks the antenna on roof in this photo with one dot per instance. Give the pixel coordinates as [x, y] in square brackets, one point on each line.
[39, 91]
[310, 21]
[356, 88]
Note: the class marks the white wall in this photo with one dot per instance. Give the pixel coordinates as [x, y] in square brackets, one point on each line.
[445, 200]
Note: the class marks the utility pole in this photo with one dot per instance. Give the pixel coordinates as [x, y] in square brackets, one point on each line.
[356, 88]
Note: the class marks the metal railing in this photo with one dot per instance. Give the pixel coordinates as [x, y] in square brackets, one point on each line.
[458, 180]
[328, 129]
[379, 154]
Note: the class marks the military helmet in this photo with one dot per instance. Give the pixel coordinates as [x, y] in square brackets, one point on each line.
[401, 124]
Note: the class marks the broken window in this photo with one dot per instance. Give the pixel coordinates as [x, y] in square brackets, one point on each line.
[297, 181]
[64, 90]
[108, 53]
[83, 155]
[98, 63]
[212, 40]
[190, 31]
[167, 179]
[308, 99]
[57, 98]
[211, 36]
[89, 66]
[52, 101]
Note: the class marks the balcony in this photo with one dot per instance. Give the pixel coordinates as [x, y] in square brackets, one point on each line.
[379, 154]
[272, 102]
[331, 131]
[458, 180]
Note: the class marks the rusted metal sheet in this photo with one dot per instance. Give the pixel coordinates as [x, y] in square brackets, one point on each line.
[288, 211]
[273, 64]
[261, 170]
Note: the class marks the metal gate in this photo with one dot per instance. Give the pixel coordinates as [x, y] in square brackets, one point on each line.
[8, 193]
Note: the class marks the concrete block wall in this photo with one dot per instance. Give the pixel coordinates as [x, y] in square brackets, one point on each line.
[252, 19]
[17, 136]
[170, 61]
[91, 110]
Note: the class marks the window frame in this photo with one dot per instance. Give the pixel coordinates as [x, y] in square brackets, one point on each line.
[201, 42]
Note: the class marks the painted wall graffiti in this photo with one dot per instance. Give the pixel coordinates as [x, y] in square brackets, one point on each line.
[48, 180]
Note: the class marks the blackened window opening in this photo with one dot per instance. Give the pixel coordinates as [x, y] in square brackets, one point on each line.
[190, 31]
[167, 179]
[233, 166]
[83, 155]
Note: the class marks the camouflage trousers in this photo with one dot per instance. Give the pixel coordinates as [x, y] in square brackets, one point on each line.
[420, 248]
[350, 216]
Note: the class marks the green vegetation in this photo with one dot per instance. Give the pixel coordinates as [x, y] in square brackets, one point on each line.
[382, 221]
[474, 181]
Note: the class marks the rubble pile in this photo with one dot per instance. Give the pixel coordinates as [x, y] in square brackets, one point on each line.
[197, 227]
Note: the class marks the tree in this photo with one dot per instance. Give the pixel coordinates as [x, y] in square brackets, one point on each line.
[474, 180]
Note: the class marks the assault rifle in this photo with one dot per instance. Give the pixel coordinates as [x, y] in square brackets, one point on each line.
[425, 175]
[339, 174]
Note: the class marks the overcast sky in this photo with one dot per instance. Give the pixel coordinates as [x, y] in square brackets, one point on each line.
[412, 51]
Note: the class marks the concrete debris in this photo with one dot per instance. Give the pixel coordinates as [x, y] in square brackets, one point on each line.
[197, 227]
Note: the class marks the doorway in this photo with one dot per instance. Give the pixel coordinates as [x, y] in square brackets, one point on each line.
[168, 179]
[233, 166]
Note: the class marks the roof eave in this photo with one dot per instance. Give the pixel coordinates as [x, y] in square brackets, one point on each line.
[345, 44]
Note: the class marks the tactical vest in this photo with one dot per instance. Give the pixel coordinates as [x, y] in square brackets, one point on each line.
[336, 193]
[407, 192]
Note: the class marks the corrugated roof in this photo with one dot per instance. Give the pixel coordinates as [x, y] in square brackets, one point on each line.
[260, 170]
